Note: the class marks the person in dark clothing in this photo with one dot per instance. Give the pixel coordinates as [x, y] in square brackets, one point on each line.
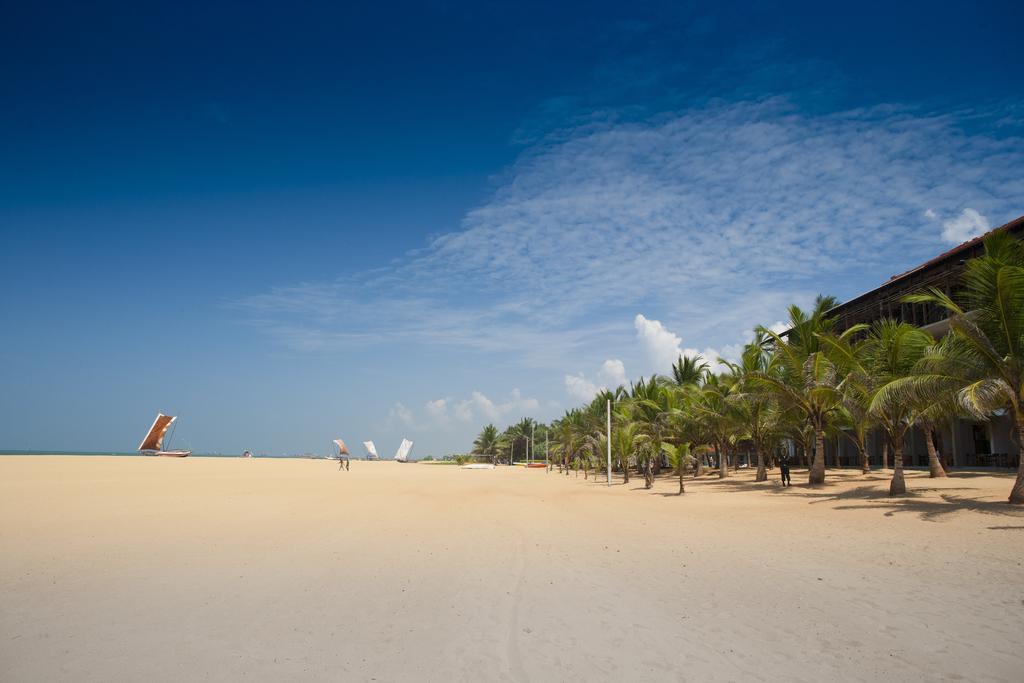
[784, 469]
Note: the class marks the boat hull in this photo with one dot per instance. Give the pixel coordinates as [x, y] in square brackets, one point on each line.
[174, 454]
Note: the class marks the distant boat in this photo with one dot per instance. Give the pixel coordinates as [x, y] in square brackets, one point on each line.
[153, 444]
[342, 448]
[402, 454]
[477, 466]
[371, 451]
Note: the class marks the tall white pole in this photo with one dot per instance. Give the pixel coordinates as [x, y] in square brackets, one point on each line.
[529, 456]
[609, 442]
[547, 458]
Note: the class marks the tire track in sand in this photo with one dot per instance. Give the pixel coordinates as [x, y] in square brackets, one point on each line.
[512, 652]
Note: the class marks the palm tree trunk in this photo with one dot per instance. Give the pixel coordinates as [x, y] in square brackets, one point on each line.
[935, 468]
[762, 472]
[1017, 494]
[898, 486]
[865, 461]
[723, 466]
[698, 470]
[648, 474]
[885, 456]
[817, 472]
[625, 470]
[839, 455]
[682, 487]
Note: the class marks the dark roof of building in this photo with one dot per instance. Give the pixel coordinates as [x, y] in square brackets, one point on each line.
[968, 249]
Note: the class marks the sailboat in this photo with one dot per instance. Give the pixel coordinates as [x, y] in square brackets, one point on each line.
[342, 448]
[402, 454]
[153, 444]
[371, 451]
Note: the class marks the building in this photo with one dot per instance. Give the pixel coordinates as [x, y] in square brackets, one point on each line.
[967, 442]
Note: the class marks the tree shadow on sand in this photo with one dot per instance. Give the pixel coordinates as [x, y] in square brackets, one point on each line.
[933, 510]
[874, 495]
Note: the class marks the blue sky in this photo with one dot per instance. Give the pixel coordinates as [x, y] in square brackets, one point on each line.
[288, 224]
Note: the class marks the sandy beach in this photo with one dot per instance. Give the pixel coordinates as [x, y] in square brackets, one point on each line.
[121, 568]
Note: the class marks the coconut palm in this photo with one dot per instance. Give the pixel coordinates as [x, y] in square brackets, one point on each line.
[857, 385]
[626, 440]
[931, 412]
[714, 409]
[654, 406]
[804, 379]
[689, 370]
[679, 457]
[892, 351]
[518, 438]
[487, 444]
[810, 388]
[753, 404]
[982, 363]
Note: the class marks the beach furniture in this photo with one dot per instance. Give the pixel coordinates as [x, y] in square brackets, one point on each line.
[153, 444]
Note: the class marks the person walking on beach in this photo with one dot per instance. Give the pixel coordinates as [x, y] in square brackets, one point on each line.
[784, 469]
[342, 463]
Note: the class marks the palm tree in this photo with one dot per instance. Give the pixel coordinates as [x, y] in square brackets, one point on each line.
[679, 457]
[892, 350]
[857, 386]
[810, 388]
[932, 411]
[487, 443]
[626, 439]
[653, 406]
[689, 370]
[754, 406]
[983, 362]
[518, 437]
[803, 378]
[714, 409]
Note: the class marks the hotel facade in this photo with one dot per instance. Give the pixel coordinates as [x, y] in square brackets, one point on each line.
[965, 442]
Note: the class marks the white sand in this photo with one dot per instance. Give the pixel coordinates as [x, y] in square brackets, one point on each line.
[268, 570]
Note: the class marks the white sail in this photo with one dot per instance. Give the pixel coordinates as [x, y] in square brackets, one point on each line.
[342, 448]
[402, 454]
[371, 449]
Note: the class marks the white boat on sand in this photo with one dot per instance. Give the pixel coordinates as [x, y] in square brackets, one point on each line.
[153, 444]
[402, 454]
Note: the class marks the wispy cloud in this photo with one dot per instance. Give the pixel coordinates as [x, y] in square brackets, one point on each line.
[448, 413]
[709, 219]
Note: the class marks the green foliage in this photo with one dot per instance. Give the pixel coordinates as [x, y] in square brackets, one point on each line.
[810, 381]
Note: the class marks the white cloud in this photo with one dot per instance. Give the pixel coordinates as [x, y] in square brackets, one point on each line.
[663, 347]
[967, 225]
[580, 388]
[613, 372]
